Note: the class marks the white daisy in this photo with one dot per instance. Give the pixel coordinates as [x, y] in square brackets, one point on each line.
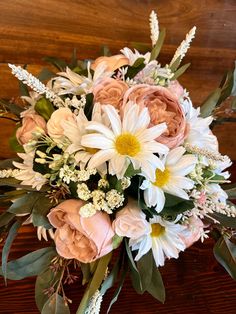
[172, 179]
[133, 56]
[26, 174]
[126, 140]
[164, 239]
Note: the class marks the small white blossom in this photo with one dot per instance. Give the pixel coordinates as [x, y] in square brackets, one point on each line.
[7, 173]
[103, 184]
[125, 182]
[87, 210]
[114, 199]
[83, 192]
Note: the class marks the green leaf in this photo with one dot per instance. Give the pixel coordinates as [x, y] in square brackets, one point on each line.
[135, 276]
[31, 264]
[44, 281]
[144, 271]
[55, 305]
[40, 210]
[231, 193]
[225, 254]
[210, 103]
[157, 48]
[85, 268]
[116, 241]
[14, 144]
[134, 69]
[224, 220]
[24, 204]
[73, 59]
[95, 282]
[5, 218]
[7, 163]
[130, 171]
[44, 107]
[172, 200]
[46, 75]
[88, 109]
[105, 51]
[58, 63]
[156, 287]
[111, 278]
[23, 88]
[180, 71]
[13, 108]
[7, 246]
[171, 212]
[174, 66]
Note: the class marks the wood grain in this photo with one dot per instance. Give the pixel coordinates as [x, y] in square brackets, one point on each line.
[30, 30]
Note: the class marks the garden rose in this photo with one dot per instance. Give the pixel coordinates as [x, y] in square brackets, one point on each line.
[85, 239]
[194, 230]
[130, 222]
[112, 63]
[31, 122]
[163, 106]
[54, 125]
[110, 91]
[176, 89]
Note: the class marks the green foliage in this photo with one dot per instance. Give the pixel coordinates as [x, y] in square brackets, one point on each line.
[29, 265]
[24, 204]
[231, 193]
[131, 172]
[210, 103]
[23, 88]
[55, 305]
[225, 254]
[85, 268]
[7, 163]
[6, 218]
[95, 282]
[224, 220]
[46, 75]
[105, 51]
[134, 69]
[7, 246]
[180, 71]
[40, 210]
[43, 282]
[44, 107]
[175, 64]
[14, 144]
[116, 241]
[157, 48]
[88, 109]
[56, 62]
[11, 107]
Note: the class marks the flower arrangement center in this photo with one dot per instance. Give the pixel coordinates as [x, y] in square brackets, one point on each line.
[162, 177]
[127, 144]
[157, 230]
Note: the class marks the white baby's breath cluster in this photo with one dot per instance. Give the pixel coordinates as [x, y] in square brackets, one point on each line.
[7, 173]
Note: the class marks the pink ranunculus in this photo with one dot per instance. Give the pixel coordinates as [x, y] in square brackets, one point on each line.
[176, 88]
[130, 222]
[54, 124]
[163, 106]
[110, 92]
[30, 123]
[85, 239]
[194, 230]
[112, 63]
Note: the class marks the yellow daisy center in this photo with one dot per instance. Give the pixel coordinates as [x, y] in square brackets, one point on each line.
[91, 150]
[162, 177]
[157, 230]
[127, 144]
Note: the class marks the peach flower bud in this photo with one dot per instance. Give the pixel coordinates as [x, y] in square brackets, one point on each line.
[110, 92]
[31, 122]
[54, 125]
[176, 89]
[130, 222]
[112, 63]
[194, 230]
[85, 239]
[163, 106]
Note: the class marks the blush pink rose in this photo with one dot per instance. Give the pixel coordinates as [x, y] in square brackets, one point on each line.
[130, 222]
[112, 63]
[54, 124]
[85, 239]
[30, 123]
[110, 92]
[194, 230]
[163, 106]
[176, 89]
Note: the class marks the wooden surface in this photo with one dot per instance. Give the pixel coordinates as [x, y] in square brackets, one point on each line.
[30, 30]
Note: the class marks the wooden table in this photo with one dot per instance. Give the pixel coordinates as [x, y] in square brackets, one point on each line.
[30, 30]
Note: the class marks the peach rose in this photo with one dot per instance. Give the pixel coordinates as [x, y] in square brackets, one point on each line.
[30, 123]
[110, 91]
[54, 125]
[163, 106]
[85, 239]
[194, 230]
[176, 89]
[112, 63]
[130, 222]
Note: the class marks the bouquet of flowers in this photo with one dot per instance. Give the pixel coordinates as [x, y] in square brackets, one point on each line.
[113, 159]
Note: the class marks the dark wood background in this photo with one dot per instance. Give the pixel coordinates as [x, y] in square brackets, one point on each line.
[30, 30]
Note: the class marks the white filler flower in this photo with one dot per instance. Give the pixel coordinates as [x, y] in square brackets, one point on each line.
[171, 179]
[165, 240]
[126, 140]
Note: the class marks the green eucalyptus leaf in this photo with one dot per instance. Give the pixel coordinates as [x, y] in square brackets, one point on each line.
[174, 66]
[171, 212]
[58, 63]
[23, 88]
[44, 107]
[14, 144]
[157, 48]
[111, 278]
[6, 218]
[156, 287]
[44, 281]
[40, 210]
[88, 109]
[85, 268]
[180, 71]
[116, 241]
[7, 246]
[13, 108]
[172, 200]
[55, 305]
[144, 271]
[7, 163]
[224, 220]
[225, 254]
[24, 204]
[46, 75]
[31, 264]
[130, 171]
[210, 103]
[134, 69]
[231, 193]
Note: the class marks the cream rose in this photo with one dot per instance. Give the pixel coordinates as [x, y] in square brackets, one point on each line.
[163, 106]
[130, 222]
[30, 123]
[195, 228]
[112, 63]
[110, 92]
[54, 125]
[85, 239]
